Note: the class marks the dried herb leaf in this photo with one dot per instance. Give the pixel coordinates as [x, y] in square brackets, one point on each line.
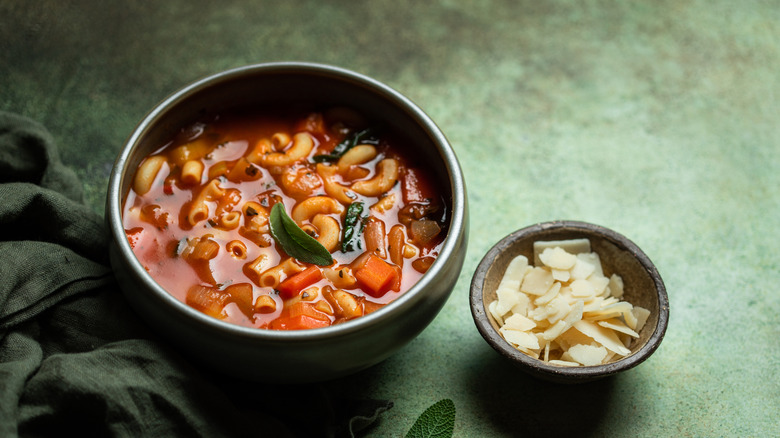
[294, 241]
[438, 421]
[353, 225]
[367, 135]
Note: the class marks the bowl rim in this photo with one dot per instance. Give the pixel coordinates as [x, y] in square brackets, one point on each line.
[536, 366]
[456, 183]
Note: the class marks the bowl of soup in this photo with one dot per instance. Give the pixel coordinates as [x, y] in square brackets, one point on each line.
[287, 222]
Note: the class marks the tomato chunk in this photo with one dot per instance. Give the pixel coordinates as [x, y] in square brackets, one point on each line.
[416, 187]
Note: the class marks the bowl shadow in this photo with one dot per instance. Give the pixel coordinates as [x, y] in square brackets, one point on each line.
[518, 404]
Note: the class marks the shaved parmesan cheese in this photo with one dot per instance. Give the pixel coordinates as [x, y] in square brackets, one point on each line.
[557, 309]
[582, 288]
[572, 246]
[554, 331]
[510, 284]
[517, 269]
[609, 310]
[610, 300]
[616, 286]
[523, 305]
[521, 338]
[569, 338]
[499, 317]
[599, 283]
[564, 310]
[618, 326]
[507, 298]
[630, 318]
[575, 314]
[540, 313]
[549, 295]
[547, 351]
[561, 275]
[641, 314]
[595, 304]
[557, 258]
[588, 355]
[519, 322]
[563, 363]
[603, 336]
[593, 259]
[537, 282]
[582, 269]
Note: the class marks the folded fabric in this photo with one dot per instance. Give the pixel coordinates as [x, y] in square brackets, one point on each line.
[75, 358]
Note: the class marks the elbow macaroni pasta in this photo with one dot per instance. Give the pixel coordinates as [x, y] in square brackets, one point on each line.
[191, 172]
[386, 177]
[146, 174]
[272, 277]
[200, 209]
[302, 144]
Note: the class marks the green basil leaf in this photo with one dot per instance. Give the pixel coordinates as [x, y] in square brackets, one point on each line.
[294, 241]
[367, 135]
[353, 225]
[438, 421]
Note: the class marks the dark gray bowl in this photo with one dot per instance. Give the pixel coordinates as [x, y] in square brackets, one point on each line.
[643, 287]
[305, 355]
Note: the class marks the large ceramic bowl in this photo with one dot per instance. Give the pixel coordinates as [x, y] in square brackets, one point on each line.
[303, 355]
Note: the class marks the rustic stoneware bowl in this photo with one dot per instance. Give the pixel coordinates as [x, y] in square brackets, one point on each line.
[304, 355]
[643, 287]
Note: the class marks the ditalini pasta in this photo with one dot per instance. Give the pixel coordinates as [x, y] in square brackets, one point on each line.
[200, 217]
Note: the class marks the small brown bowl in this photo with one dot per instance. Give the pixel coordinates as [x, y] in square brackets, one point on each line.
[643, 287]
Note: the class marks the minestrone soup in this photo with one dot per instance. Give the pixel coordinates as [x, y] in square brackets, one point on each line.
[285, 220]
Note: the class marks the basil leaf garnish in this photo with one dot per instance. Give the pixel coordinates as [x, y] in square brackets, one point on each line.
[367, 135]
[353, 225]
[294, 241]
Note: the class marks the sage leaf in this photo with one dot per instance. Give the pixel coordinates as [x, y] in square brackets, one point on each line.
[353, 225]
[294, 241]
[438, 421]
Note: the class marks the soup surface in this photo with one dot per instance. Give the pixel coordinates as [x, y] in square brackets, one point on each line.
[288, 220]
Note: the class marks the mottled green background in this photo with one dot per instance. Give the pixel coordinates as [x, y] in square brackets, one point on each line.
[659, 119]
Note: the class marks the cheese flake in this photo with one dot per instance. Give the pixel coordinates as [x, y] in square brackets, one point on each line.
[537, 281]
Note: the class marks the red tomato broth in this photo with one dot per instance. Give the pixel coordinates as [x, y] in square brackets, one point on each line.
[162, 237]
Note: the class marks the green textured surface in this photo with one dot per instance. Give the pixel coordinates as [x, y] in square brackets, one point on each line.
[657, 119]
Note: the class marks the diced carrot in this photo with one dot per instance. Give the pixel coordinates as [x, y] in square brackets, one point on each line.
[300, 308]
[291, 286]
[300, 315]
[375, 276]
[300, 322]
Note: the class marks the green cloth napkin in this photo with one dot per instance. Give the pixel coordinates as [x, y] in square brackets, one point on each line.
[75, 358]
